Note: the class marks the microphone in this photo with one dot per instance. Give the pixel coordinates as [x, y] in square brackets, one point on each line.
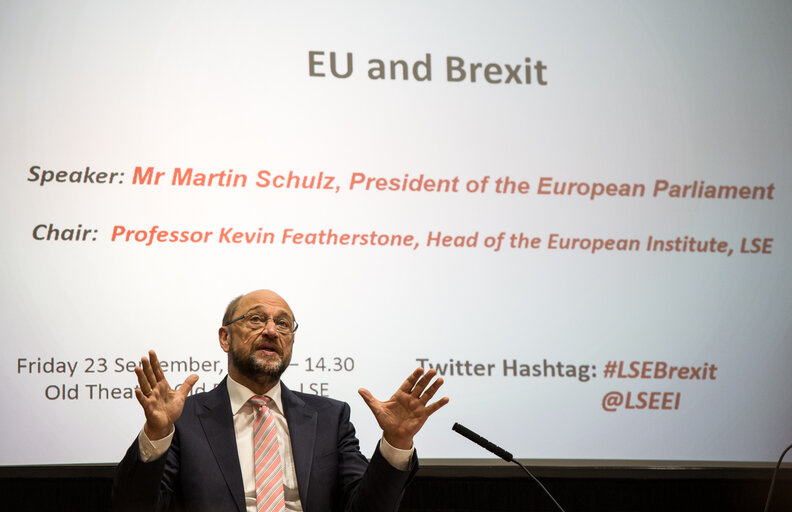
[497, 450]
[500, 452]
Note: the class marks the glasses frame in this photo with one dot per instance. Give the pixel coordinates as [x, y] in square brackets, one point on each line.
[268, 318]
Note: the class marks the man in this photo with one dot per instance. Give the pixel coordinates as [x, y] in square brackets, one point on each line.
[197, 452]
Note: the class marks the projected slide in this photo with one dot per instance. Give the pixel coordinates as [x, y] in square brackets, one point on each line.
[578, 214]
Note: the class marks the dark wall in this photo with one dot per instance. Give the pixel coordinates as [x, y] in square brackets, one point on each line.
[593, 495]
[87, 489]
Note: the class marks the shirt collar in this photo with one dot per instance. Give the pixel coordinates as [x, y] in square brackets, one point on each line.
[239, 395]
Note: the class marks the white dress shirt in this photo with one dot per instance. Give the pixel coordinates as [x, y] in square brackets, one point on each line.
[244, 416]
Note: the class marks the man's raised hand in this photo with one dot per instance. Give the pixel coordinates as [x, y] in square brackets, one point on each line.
[161, 404]
[403, 415]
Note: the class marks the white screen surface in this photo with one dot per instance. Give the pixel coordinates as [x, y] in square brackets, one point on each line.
[673, 121]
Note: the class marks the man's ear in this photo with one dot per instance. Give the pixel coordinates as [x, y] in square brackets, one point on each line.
[224, 337]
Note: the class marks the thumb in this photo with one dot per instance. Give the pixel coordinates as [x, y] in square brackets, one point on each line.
[189, 382]
[367, 397]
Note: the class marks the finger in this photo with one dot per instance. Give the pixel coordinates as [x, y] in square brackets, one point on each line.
[145, 386]
[152, 381]
[155, 366]
[368, 398]
[408, 384]
[423, 382]
[189, 382]
[431, 408]
[431, 390]
[140, 397]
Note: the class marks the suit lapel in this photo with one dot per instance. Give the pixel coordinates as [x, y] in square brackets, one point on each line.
[302, 422]
[217, 422]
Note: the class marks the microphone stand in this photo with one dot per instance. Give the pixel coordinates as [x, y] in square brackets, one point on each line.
[772, 481]
[500, 452]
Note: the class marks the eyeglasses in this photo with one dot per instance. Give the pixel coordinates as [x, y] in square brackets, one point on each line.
[256, 321]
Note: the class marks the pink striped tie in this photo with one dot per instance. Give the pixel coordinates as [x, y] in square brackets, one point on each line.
[269, 475]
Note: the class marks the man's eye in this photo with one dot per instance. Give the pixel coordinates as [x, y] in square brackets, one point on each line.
[283, 323]
[255, 319]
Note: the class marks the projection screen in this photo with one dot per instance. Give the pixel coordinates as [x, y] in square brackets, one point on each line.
[577, 212]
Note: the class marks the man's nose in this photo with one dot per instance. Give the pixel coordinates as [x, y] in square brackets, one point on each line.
[269, 328]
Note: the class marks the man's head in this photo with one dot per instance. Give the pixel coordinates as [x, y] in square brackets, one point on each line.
[257, 334]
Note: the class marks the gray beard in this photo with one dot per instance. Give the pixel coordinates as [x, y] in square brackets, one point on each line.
[253, 368]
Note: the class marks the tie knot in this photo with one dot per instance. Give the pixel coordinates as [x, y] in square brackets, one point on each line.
[260, 401]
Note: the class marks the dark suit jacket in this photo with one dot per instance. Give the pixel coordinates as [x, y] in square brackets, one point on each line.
[201, 472]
